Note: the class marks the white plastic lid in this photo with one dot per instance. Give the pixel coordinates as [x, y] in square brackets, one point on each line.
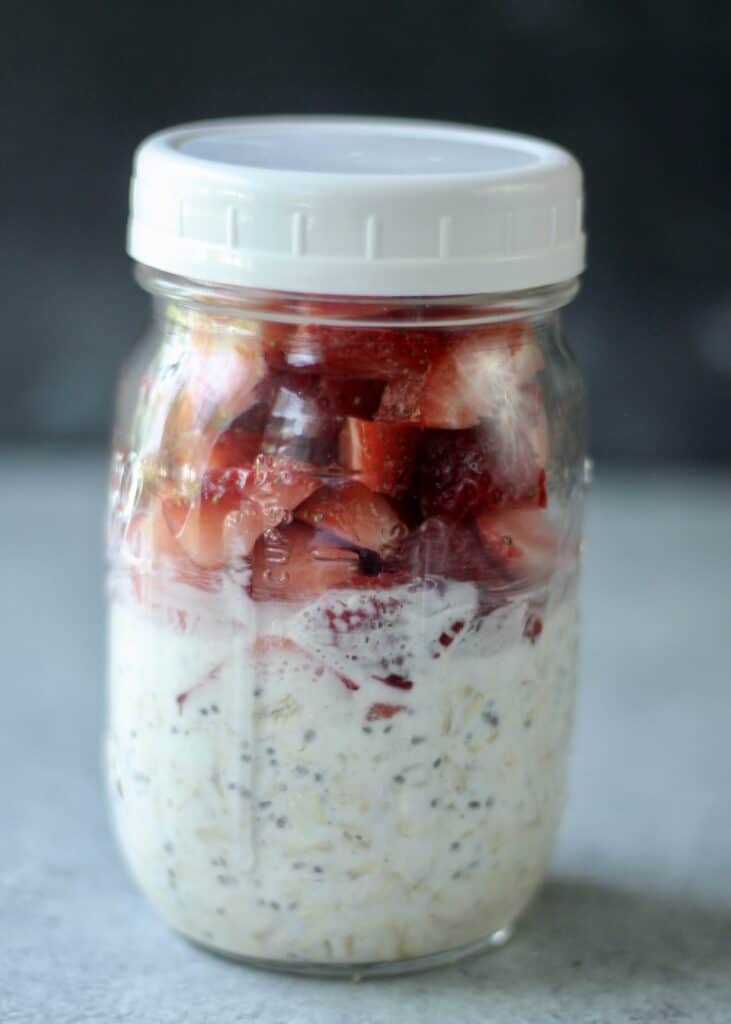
[356, 206]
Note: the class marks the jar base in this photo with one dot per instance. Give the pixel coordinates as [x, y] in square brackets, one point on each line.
[374, 969]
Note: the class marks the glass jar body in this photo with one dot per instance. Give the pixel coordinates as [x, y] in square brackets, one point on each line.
[343, 556]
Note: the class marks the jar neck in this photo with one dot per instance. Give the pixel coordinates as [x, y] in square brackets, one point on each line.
[294, 307]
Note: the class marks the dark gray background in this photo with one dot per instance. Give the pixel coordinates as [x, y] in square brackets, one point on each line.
[639, 91]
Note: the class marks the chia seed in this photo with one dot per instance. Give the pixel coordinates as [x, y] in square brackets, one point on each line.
[437, 762]
[418, 739]
[388, 728]
[317, 869]
[274, 905]
[302, 769]
[367, 728]
[474, 804]
[270, 751]
[281, 822]
[491, 718]
[317, 777]
[204, 711]
[310, 735]
[399, 779]
[257, 691]
[264, 804]
[434, 802]
[214, 708]
[455, 845]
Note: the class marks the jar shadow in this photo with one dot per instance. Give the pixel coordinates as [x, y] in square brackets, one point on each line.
[581, 939]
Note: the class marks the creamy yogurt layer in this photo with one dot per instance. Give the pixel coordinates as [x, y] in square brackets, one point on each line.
[373, 775]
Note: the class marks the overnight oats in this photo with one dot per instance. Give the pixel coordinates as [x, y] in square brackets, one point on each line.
[344, 542]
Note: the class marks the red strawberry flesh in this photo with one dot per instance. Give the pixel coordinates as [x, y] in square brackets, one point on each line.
[354, 514]
[520, 542]
[380, 455]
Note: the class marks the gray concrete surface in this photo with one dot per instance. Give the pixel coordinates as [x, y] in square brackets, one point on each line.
[634, 924]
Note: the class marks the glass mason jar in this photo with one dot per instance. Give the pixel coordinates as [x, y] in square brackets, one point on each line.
[344, 540]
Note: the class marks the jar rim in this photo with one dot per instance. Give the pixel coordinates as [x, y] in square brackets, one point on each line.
[357, 310]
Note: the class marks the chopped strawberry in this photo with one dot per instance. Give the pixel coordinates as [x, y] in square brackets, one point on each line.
[471, 379]
[380, 455]
[234, 448]
[154, 556]
[334, 396]
[380, 710]
[520, 542]
[355, 514]
[236, 505]
[397, 680]
[280, 484]
[221, 370]
[461, 471]
[224, 520]
[349, 397]
[296, 562]
[375, 353]
[307, 413]
[445, 549]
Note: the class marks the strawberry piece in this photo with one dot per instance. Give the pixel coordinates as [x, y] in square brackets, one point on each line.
[154, 556]
[381, 710]
[395, 679]
[354, 514]
[461, 471]
[445, 549]
[520, 542]
[471, 379]
[224, 519]
[335, 396]
[277, 335]
[280, 484]
[307, 413]
[234, 448]
[375, 353]
[296, 562]
[236, 505]
[380, 455]
[221, 372]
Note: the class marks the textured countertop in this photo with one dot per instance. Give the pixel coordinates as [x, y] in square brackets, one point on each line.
[634, 924]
